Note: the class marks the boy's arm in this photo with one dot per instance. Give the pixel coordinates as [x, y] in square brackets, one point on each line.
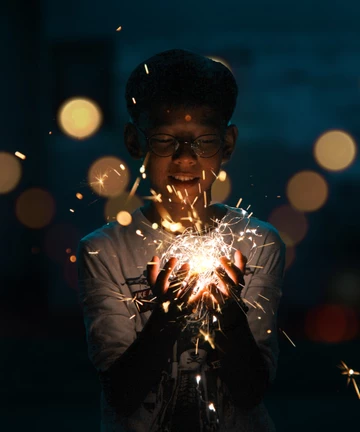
[128, 365]
[247, 345]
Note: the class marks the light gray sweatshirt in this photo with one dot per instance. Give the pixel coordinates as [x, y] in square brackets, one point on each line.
[115, 299]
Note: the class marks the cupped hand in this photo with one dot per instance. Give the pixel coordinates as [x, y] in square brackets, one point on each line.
[175, 291]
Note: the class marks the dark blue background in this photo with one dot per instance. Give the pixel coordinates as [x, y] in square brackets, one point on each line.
[298, 69]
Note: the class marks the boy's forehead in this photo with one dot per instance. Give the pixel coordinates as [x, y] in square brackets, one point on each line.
[166, 115]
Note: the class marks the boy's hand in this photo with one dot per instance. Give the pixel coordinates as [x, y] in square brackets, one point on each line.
[175, 291]
[231, 274]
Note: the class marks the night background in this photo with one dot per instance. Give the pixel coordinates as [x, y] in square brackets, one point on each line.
[297, 65]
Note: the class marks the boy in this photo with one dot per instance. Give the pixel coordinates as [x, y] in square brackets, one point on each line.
[159, 369]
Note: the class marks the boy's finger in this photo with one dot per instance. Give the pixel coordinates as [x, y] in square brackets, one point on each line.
[240, 260]
[233, 271]
[163, 277]
[153, 270]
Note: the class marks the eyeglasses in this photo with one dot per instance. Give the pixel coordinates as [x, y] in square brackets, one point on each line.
[164, 145]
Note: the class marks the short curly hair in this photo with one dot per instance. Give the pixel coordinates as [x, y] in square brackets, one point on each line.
[180, 77]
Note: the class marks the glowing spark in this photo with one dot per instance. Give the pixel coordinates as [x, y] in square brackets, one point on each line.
[79, 196]
[212, 407]
[199, 186]
[134, 101]
[278, 196]
[198, 378]
[264, 297]
[94, 252]
[135, 186]
[264, 245]
[214, 174]
[238, 203]
[268, 331]
[20, 155]
[72, 210]
[146, 68]
[289, 338]
[165, 306]
[203, 174]
[179, 194]
[168, 187]
[143, 175]
[122, 167]
[196, 198]
[119, 29]
[248, 207]
[350, 373]
[154, 226]
[205, 199]
[197, 346]
[142, 169]
[132, 316]
[139, 233]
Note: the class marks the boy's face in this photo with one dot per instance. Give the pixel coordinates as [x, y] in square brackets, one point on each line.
[184, 170]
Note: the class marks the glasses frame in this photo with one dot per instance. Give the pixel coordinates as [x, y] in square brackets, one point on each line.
[192, 143]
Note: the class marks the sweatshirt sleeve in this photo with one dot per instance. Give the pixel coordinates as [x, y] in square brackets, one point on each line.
[109, 329]
[263, 294]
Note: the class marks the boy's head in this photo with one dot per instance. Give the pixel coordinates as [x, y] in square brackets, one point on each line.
[180, 78]
[180, 104]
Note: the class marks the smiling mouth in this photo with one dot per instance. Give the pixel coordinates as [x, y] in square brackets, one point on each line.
[184, 180]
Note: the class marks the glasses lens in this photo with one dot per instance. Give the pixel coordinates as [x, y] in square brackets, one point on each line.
[162, 145]
[208, 145]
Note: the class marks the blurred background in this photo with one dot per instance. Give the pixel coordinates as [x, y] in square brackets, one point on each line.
[64, 69]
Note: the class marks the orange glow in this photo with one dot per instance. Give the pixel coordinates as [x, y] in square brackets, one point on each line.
[79, 196]
[335, 150]
[220, 190]
[188, 117]
[106, 178]
[291, 224]
[307, 191]
[79, 117]
[289, 256]
[124, 218]
[331, 323]
[121, 203]
[35, 208]
[10, 172]
[73, 258]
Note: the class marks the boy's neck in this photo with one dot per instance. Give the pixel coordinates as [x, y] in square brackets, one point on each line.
[157, 212]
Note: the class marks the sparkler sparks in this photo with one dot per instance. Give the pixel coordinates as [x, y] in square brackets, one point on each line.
[202, 251]
[350, 373]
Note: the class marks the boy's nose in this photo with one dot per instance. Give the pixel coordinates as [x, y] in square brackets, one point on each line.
[185, 153]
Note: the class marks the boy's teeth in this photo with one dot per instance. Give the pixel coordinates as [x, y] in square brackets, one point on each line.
[183, 178]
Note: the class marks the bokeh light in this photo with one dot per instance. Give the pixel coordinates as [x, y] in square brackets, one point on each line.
[291, 224]
[35, 208]
[124, 218]
[290, 255]
[10, 172]
[121, 203]
[335, 150]
[79, 117]
[108, 176]
[220, 189]
[220, 60]
[331, 323]
[307, 191]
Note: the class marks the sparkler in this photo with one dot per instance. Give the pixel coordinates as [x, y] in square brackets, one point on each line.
[202, 251]
[350, 373]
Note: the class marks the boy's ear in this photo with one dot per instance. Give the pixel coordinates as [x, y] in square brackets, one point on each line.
[231, 135]
[132, 141]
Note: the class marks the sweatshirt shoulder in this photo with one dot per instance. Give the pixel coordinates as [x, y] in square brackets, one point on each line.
[106, 234]
[264, 229]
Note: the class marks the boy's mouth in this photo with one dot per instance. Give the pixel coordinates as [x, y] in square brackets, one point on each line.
[183, 180]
